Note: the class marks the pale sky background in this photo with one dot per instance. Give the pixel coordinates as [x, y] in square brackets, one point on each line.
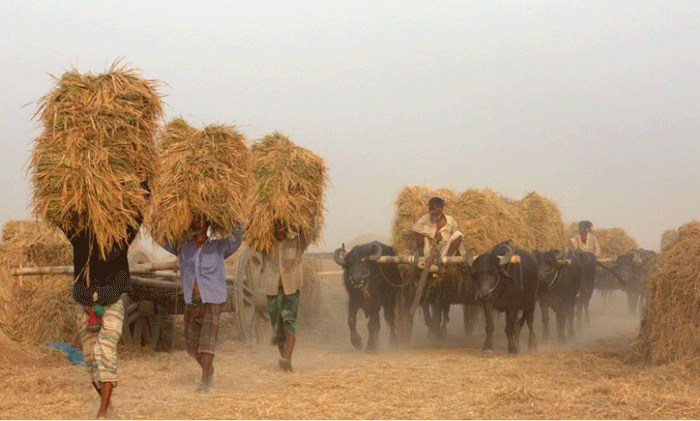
[593, 104]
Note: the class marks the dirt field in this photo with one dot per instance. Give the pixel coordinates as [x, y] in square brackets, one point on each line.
[592, 378]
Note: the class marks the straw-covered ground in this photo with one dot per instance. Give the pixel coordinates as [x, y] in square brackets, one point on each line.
[593, 378]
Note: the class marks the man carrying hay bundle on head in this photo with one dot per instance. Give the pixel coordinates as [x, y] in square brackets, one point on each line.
[586, 240]
[282, 273]
[89, 170]
[203, 278]
[286, 215]
[436, 229]
[203, 185]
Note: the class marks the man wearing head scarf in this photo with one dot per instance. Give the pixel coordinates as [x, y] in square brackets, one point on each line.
[586, 240]
[435, 229]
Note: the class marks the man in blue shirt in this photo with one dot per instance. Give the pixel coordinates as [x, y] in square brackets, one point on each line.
[203, 278]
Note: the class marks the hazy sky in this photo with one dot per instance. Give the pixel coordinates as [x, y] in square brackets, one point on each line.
[593, 104]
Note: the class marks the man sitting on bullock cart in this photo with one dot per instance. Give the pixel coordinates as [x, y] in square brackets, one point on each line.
[436, 229]
[282, 272]
[586, 240]
[203, 279]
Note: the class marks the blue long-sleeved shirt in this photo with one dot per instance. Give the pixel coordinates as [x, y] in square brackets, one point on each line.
[206, 265]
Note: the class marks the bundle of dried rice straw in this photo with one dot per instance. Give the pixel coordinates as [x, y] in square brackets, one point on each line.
[202, 173]
[668, 238]
[614, 242]
[484, 218]
[289, 186]
[669, 328]
[96, 145]
[35, 309]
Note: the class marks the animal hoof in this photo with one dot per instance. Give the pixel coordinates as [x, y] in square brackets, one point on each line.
[487, 353]
[356, 342]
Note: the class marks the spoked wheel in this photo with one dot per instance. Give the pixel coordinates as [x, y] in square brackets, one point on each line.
[251, 299]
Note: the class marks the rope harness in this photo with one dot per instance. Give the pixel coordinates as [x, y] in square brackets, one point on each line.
[551, 285]
[498, 280]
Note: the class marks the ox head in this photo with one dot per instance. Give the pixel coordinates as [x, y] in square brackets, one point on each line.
[548, 262]
[489, 271]
[356, 269]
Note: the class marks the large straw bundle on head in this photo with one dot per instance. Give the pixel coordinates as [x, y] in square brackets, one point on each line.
[289, 186]
[543, 218]
[614, 242]
[670, 327]
[35, 309]
[203, 173]
[668, 238]
[97, 144]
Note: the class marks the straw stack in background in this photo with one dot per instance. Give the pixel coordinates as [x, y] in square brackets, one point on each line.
[668, 238]
[35, 309]
[669, 328]
[484, 218]
[96, 145]
[614, 242]
[202, 173]
[289, 186]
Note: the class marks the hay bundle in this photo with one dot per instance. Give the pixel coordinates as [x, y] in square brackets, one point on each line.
[484, 217]
[543, 219]
[614, 242]
[96, 144]
[668, 238]
[203, 173]
[35, 309]
[670, 328]
[289, 185]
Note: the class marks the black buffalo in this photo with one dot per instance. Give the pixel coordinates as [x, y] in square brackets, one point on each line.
[559, 283]
[507, 286]
[370, 286]
[633, 267]
[588, 267]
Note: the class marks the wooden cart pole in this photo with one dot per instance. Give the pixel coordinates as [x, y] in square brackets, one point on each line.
[423, 279]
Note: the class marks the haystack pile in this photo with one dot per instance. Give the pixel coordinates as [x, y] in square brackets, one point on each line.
[668, 238]
[670, 328]
[96, 146]
[289, 186]
[35, 309]
[202, 173]
[484, 217]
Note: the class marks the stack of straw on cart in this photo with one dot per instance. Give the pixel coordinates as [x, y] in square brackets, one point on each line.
[669, 328]
[484, 218]
[96, 146]
[35, 309]
[202, 174]
[289, 186]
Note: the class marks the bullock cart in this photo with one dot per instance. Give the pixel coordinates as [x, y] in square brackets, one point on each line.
[158, 296]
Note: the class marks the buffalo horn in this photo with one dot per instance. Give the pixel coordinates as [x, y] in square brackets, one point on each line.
[505, 259]
[339, 255]
[376, 252]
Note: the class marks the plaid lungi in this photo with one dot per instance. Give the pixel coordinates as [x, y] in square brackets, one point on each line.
[283, 315]
[100, 348]
[201, 325]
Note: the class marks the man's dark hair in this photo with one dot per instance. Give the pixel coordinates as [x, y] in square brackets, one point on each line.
[436, 201]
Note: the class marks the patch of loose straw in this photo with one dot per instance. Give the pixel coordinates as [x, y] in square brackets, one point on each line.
[203, 173]
[97, 143]
[289, 186]
[670, 328]
[668, 238]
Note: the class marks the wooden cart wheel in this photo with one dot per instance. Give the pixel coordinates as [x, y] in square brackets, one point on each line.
[251, 299]
[146, 323]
